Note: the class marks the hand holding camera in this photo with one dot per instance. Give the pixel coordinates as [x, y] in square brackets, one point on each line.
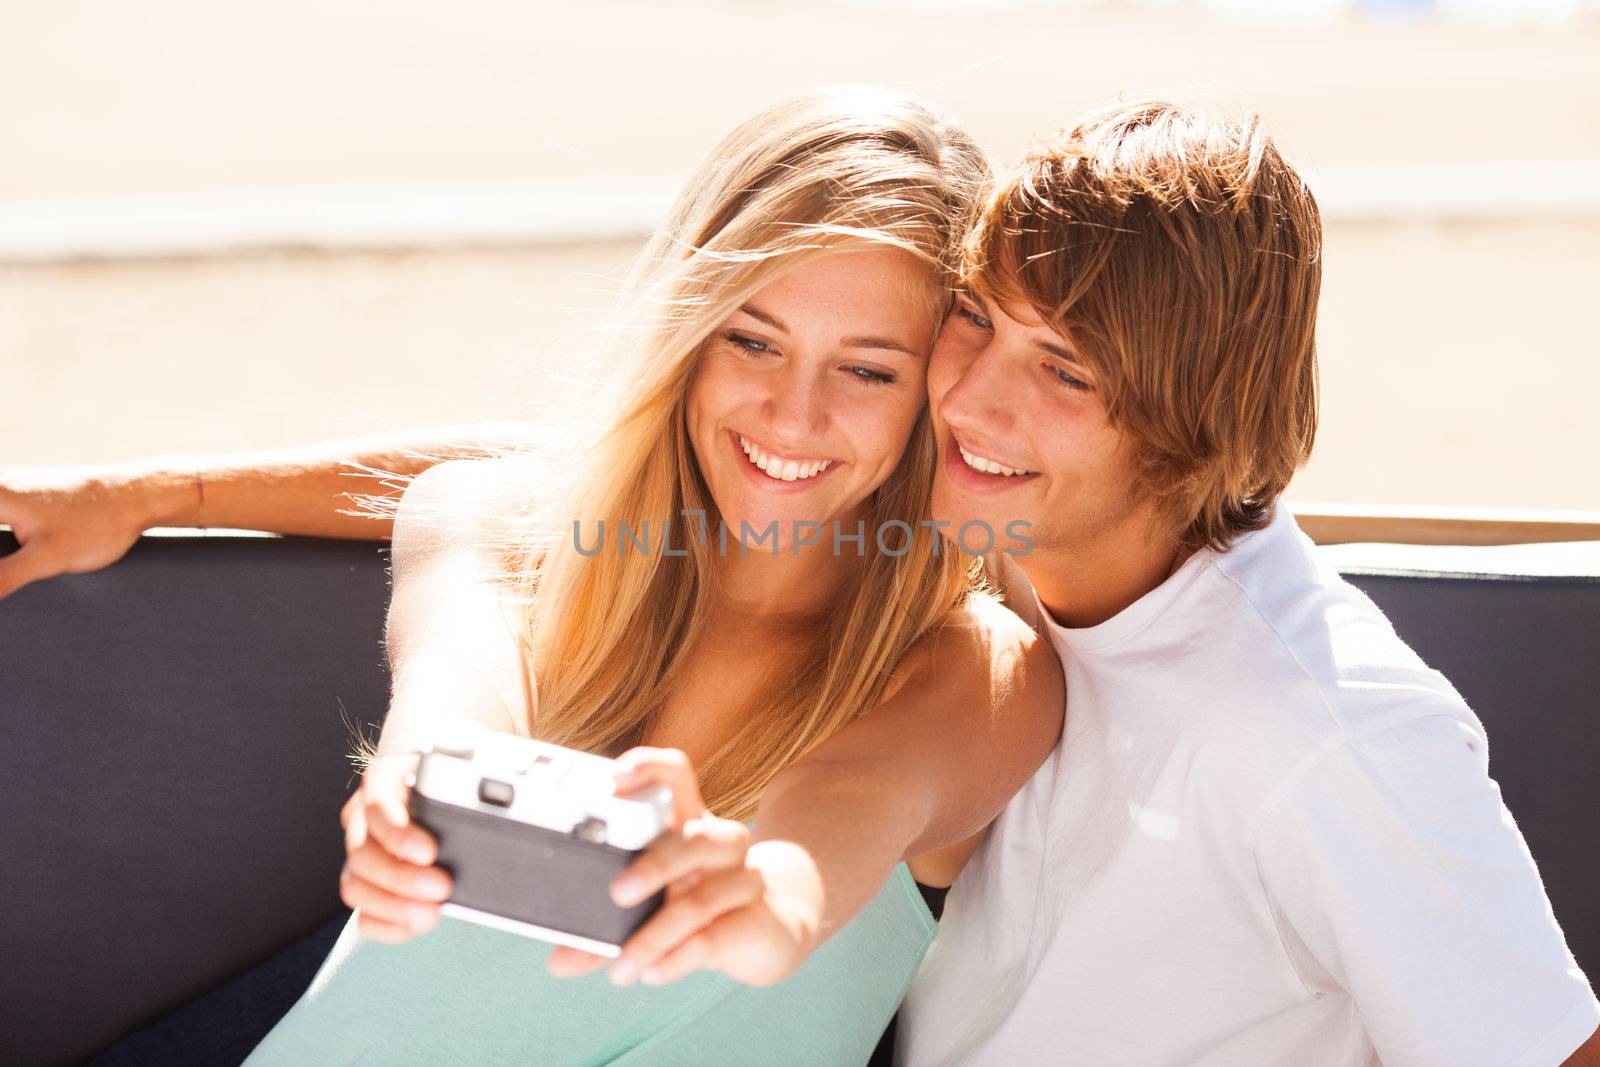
[389, 876]
[751, 911]
[616, 862]
[533, 835]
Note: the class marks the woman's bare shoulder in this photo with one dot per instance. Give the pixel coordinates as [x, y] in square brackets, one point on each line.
[983, 635]
[462, 505]
[469, 489]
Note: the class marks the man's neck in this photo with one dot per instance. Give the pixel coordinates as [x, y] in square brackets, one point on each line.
[1087, 582]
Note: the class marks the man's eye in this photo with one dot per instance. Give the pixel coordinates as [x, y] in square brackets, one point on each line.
[973, 317]
[1066, 378]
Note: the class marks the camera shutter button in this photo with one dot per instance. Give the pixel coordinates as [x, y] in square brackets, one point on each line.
[592, 830]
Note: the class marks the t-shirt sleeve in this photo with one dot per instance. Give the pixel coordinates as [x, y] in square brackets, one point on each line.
[1396, 874]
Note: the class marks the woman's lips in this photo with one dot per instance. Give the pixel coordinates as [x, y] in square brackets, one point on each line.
[766, 481]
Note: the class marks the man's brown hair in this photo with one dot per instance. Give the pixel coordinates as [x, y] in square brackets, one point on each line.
[1180, 255]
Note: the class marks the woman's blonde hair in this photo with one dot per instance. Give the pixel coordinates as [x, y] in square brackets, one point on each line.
[606, 633]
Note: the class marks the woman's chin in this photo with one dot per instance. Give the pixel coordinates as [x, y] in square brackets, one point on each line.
[774, 530]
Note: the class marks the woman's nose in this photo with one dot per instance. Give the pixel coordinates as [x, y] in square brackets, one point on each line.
[797, 410]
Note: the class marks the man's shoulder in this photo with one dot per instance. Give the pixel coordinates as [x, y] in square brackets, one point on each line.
[1294, 608]
[1306, 663]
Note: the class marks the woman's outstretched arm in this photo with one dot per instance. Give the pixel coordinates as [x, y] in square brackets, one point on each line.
[76, 519]
[451, 634]
[453, 655]
[921, 776]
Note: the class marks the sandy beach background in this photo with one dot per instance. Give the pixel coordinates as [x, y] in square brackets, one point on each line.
[1460, 334]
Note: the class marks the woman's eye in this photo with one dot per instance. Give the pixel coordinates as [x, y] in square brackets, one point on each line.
[870, 376]
[749, 344]
[1066, 378]
[973, 317]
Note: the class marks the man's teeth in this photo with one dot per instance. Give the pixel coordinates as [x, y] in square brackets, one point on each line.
[787, 470]
[988, 466]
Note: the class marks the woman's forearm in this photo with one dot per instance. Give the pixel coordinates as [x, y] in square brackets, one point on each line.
[834, 832]
[309, 490]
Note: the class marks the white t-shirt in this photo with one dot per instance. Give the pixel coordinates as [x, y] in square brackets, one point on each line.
[1268, 836]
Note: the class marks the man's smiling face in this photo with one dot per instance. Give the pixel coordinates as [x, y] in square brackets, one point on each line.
[1023, 432]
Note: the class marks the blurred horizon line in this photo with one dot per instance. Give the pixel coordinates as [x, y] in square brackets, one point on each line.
[354, 218]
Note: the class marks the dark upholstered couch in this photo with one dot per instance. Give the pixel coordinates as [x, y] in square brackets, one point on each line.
[175, 731]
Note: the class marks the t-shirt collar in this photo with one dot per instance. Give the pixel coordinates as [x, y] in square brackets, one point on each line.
[1131, 619]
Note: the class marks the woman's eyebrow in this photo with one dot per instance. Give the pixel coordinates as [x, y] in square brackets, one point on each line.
[766, 317]
[887, 343]
[883, 343]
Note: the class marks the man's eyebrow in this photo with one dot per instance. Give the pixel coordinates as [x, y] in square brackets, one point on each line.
[1057, 351]
[766, 317]
[972, 295]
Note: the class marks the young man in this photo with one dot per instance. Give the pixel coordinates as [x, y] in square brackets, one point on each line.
[1268, 834]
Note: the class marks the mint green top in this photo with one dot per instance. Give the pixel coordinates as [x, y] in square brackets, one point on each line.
[467, 994]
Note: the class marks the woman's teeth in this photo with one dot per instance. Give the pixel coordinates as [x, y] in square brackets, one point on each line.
[988, 466]
[786, 470]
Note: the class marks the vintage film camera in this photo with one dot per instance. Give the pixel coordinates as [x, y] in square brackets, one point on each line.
[532, 834]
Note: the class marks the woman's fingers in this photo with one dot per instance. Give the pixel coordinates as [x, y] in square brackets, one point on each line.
[395, 899]
[706, 843]
[644, 766]
[745, 944]
[374, 929]
[413, 916]
[568, 962]
[372, 863]
[399, 837]
[351, 808]
[684, 919]
[697, 953]
[384, 791]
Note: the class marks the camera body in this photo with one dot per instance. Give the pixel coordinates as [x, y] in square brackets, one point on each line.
[533, 834]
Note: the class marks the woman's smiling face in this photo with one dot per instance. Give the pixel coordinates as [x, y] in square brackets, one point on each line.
[804, 398]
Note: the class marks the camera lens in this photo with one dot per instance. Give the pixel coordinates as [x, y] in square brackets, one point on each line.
[497, 793]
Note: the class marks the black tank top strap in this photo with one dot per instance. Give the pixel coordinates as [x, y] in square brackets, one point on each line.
[934, 897]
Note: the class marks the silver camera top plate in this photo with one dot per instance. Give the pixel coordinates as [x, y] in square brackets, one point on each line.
[540, 784]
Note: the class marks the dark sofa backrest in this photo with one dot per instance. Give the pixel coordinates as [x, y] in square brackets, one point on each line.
[177, 724]
[176, 729]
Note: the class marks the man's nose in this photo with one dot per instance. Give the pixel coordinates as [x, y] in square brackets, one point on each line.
[980, 397]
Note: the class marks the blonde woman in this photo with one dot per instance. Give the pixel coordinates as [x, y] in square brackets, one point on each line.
[777, 388]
